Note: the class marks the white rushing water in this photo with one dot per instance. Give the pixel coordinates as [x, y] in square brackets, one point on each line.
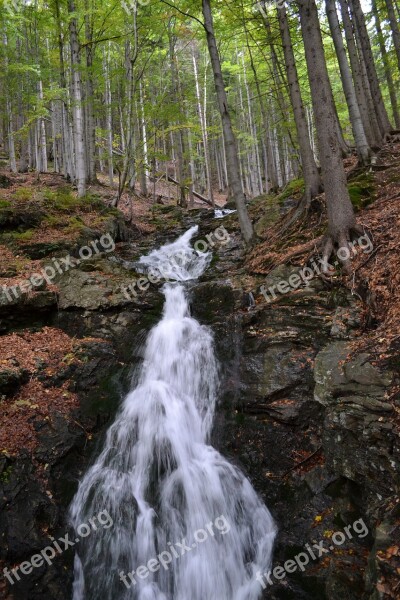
[173, 499]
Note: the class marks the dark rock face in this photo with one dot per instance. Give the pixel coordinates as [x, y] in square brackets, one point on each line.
[314, 432]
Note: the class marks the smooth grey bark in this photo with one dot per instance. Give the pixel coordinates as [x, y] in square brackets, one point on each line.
[341, 219]
[201, 109]
[232, 157]
[89, 106]
[77, 107]
[362, 146]
[394, 26]
[10, 118]
[178, 134]
[386, 64]
[361, 85]
[109, 130]
[366, 51]
[310, 171]
[271, 178]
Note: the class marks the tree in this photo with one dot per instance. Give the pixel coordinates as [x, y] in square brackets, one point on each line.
[363, 149]
[310, 171]
[341, 219]
[386, 64]
[77, 105]
[366, 51]
[232, 157]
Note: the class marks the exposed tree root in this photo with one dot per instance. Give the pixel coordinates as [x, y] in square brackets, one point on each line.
[345, 249]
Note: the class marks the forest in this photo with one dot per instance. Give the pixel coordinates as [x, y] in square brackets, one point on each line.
[199, 300]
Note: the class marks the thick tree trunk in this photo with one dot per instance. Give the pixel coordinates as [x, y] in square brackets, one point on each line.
[341, 219]
[232, 157]
[358, 15]
[363, 149]
[310, 171]
[386, 64]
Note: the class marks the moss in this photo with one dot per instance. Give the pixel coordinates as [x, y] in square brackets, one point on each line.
[4, 204]
[361, 191]
[23, 194]
[23, 236]
[294, 187]
[6, 474]
[55, 221]
[75, 224]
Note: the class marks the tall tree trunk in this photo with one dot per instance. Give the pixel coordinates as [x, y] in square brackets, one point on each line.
[341, 219]
[358, 15]
[394, 26]
[361, 85]
[232, 157]
[363, 149]
[77, 108]
[89, 106]
[107, 101]
[10, 118]
[310, 170]
[386, 64]
[42, 166]
[144, 172]
[203, 126]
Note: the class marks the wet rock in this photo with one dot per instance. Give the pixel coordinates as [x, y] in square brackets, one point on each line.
[11, 380]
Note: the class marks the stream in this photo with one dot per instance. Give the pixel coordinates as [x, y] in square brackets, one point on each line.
[187, 524]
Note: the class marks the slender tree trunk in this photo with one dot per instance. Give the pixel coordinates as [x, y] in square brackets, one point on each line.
[178, 135]
[394, 26]
[341, 219]
[361, 86]
[232, 157]
[77, 108]
[363, 149]
[109, 130]
[203, 125]
[144, 139]
[383, 119]
[42, 135]
[386, 64]
[10, 119]
[90, 120]
[310, 170]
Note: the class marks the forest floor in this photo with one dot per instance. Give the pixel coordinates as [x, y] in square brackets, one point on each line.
[375, 276]
[44, 211]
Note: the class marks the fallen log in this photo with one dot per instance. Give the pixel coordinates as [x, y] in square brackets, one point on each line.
[196, 194]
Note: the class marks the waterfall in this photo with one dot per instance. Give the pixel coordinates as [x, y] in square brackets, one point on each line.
[187, 525]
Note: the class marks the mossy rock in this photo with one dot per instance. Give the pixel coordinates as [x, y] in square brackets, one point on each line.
[5, 182]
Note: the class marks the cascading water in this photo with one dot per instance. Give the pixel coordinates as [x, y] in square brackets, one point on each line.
[160, 480]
